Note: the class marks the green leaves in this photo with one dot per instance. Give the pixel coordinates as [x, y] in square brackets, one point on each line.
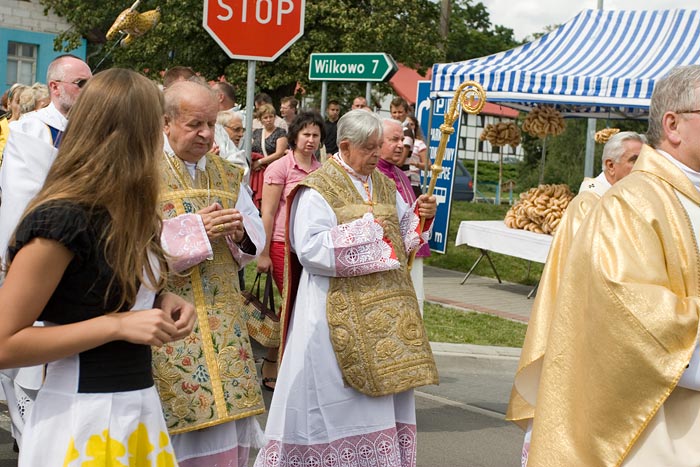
[407, 30]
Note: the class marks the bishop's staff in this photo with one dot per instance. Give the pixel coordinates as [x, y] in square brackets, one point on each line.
[471, 97]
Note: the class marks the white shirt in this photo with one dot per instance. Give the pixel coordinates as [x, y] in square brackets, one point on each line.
[28, 156]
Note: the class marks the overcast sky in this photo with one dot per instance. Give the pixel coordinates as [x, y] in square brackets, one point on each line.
[529, 16]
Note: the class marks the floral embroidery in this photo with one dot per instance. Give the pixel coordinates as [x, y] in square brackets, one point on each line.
[194, 378]
[201, 374]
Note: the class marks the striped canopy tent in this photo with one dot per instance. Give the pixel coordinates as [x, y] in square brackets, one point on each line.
[600, 64]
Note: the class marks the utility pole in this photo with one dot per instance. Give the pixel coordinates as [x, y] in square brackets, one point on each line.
[445, 12]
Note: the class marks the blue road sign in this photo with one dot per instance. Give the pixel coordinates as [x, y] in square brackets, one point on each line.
[443, 185]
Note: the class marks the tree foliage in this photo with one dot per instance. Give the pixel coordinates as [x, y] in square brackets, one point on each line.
[472, 35]
[407, 30]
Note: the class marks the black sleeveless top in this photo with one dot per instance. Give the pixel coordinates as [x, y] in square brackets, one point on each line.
[82, 293]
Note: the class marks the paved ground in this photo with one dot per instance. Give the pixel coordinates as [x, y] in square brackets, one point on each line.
[483, 294]
[460, 422]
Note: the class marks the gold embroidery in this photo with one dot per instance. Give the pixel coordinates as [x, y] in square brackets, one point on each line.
[202, 381]
[375, 325]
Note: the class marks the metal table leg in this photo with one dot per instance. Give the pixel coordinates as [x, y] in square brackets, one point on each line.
[534, 290]
[476, 263]
[492, 266]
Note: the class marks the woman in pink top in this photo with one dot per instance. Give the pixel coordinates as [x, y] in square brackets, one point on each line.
[305, 135]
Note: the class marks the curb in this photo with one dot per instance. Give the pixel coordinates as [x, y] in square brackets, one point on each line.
[475, 351]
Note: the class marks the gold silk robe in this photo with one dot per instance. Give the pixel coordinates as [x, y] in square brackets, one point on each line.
[524, 393]
[626, 322]
[209, 377]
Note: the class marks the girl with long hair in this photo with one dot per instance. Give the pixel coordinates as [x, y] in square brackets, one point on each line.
[86, 259]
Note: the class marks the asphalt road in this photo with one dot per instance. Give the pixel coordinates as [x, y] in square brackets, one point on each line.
[460, 422]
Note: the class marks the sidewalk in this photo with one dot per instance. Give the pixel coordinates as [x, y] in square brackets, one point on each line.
[482, 294]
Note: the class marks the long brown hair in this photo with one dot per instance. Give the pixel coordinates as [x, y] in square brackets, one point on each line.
[109, 159]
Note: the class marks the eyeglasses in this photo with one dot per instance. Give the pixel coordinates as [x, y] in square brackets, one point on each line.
[79, 82]
[697, 111]
[235, 128]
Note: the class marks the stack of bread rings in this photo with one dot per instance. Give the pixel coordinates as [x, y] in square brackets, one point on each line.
[543, 121]
[502, 133]
[540, 209]
[605, 134]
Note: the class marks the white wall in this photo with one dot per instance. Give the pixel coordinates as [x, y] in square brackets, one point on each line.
[29, 16]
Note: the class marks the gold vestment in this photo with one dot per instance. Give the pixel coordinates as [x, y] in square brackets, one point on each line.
[209, 377]
[626, 322]
[523, 395]
[375, 325]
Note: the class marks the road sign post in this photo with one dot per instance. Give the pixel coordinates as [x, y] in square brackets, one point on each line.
[254, 30]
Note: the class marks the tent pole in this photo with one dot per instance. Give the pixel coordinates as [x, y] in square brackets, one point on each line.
[476, 172]
[500, 175]
[542, 160]
[590, 148]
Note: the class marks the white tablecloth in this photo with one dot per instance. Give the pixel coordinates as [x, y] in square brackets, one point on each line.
[495, 236]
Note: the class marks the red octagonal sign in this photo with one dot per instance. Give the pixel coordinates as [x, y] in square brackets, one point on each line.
[254, 29]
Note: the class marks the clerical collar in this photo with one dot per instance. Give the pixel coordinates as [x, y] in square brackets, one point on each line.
[201, 164]
[690, 173]
[355, 177]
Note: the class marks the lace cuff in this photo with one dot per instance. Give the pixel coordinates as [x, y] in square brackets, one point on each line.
[360, 248]
[410, 229]
[185, 239]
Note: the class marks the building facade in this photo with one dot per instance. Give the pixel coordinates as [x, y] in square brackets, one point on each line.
[27, 42]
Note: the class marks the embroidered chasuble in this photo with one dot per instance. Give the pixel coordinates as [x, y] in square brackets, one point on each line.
[626, 323]
[524, 393]
[209, 377]
[375, 325]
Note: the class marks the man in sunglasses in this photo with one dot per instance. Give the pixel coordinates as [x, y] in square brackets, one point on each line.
[31, 148]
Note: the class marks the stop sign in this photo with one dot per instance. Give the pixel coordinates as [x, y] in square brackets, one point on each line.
[254, 29]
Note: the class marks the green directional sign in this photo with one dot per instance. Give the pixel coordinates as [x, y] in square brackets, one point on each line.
[351, 67]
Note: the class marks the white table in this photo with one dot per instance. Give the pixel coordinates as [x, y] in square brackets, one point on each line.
[495, 236]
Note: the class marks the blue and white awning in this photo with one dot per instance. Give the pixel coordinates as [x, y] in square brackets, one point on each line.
[600, 63]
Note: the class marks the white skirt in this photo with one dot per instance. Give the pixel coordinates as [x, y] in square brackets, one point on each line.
[74, 429]
[315, 419]
[225, 445]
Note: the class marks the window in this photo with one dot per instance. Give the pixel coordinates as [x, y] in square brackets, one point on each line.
[21, 63]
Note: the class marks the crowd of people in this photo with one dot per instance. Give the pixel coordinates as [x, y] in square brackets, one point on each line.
[135, 203]
[137, 206]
